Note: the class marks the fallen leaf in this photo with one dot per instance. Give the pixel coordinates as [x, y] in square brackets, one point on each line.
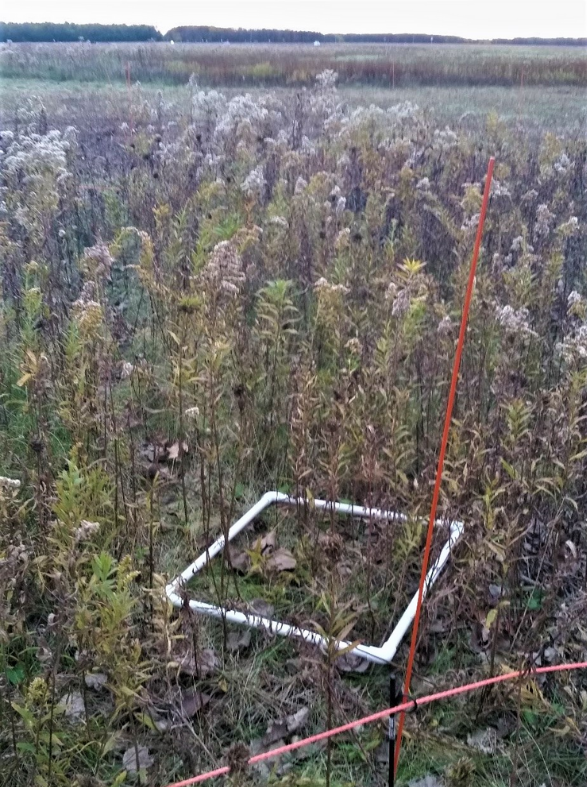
[174, 450]
[496, 592]
[350, 662]
[426, 781]
[260, 607]
[276, 731]
[571, 548]
[147, 451]
[240, 561]
[549, 655]
[308, 752]
[238, 640]
[267, 543]
[73, 706]
[186, 663]
[439, 627]
[135, 760]
[282, 728]
[95, 680]
[297, 720]
[281, 560]
[193, 701]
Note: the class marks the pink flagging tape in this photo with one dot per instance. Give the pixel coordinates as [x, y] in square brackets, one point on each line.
[382, 714]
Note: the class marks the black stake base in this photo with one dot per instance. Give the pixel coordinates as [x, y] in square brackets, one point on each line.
[395, 696]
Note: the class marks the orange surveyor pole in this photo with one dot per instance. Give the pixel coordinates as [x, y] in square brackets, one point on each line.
[443, 445]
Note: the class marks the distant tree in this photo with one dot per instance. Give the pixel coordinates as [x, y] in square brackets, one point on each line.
[48, 31]
[541, 41]
[200, 33]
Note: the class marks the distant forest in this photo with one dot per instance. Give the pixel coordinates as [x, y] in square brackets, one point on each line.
[47, 31]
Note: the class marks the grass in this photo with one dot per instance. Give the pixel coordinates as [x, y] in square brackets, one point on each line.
[275, 65]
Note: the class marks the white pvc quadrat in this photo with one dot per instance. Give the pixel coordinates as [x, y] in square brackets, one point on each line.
[377, 655]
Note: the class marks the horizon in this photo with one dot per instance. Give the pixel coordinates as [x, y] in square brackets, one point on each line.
[463, 18]
[301, 30]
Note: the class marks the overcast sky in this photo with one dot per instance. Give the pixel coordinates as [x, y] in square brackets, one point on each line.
[469, 18]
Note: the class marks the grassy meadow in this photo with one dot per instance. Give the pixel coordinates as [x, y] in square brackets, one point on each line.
[243, 270]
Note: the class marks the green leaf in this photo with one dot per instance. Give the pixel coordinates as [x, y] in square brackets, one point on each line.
[26, 747]
[508, 468]
[25, 713]
[110, 745]
[535, 601]
[490, 619]
[15, 674]
[145, 719]
[530, 718]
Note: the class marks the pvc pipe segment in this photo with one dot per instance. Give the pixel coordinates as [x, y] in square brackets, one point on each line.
[376, 655]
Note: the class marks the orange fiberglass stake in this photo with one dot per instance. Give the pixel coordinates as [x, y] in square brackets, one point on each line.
[443, 444]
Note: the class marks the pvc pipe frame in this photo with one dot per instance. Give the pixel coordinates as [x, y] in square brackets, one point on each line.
[377, 655]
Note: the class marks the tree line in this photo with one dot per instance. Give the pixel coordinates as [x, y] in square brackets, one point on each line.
[48, 31]
[201, 34]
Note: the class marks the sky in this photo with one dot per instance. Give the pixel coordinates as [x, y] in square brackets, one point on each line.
[467, 18]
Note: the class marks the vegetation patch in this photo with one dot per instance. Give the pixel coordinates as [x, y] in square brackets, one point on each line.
[206, 295]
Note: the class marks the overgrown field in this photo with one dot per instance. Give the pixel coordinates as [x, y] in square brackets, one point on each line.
[402, 65]
[209, 295]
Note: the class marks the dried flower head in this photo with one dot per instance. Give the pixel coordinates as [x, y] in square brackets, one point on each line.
[86, 530]
[513, 320]
[9, 483]
[254, 184]
[224, 270]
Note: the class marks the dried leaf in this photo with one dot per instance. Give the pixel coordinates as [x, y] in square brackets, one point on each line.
[281, 560]
[267, 543]
[282, 728]
[135, 760]
[174, 450]
[297, 720]
[73, 706]
[240, 561]
[186, 663]
[427, 781]
[571, 548]
[24, 379]
[193, 701]
[238, 640]
[350, 662]
[95, 680]
[147, 451]
[260, 607]
[276, 731]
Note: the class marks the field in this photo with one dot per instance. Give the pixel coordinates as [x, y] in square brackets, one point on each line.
[249, 279]
[279, 64]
